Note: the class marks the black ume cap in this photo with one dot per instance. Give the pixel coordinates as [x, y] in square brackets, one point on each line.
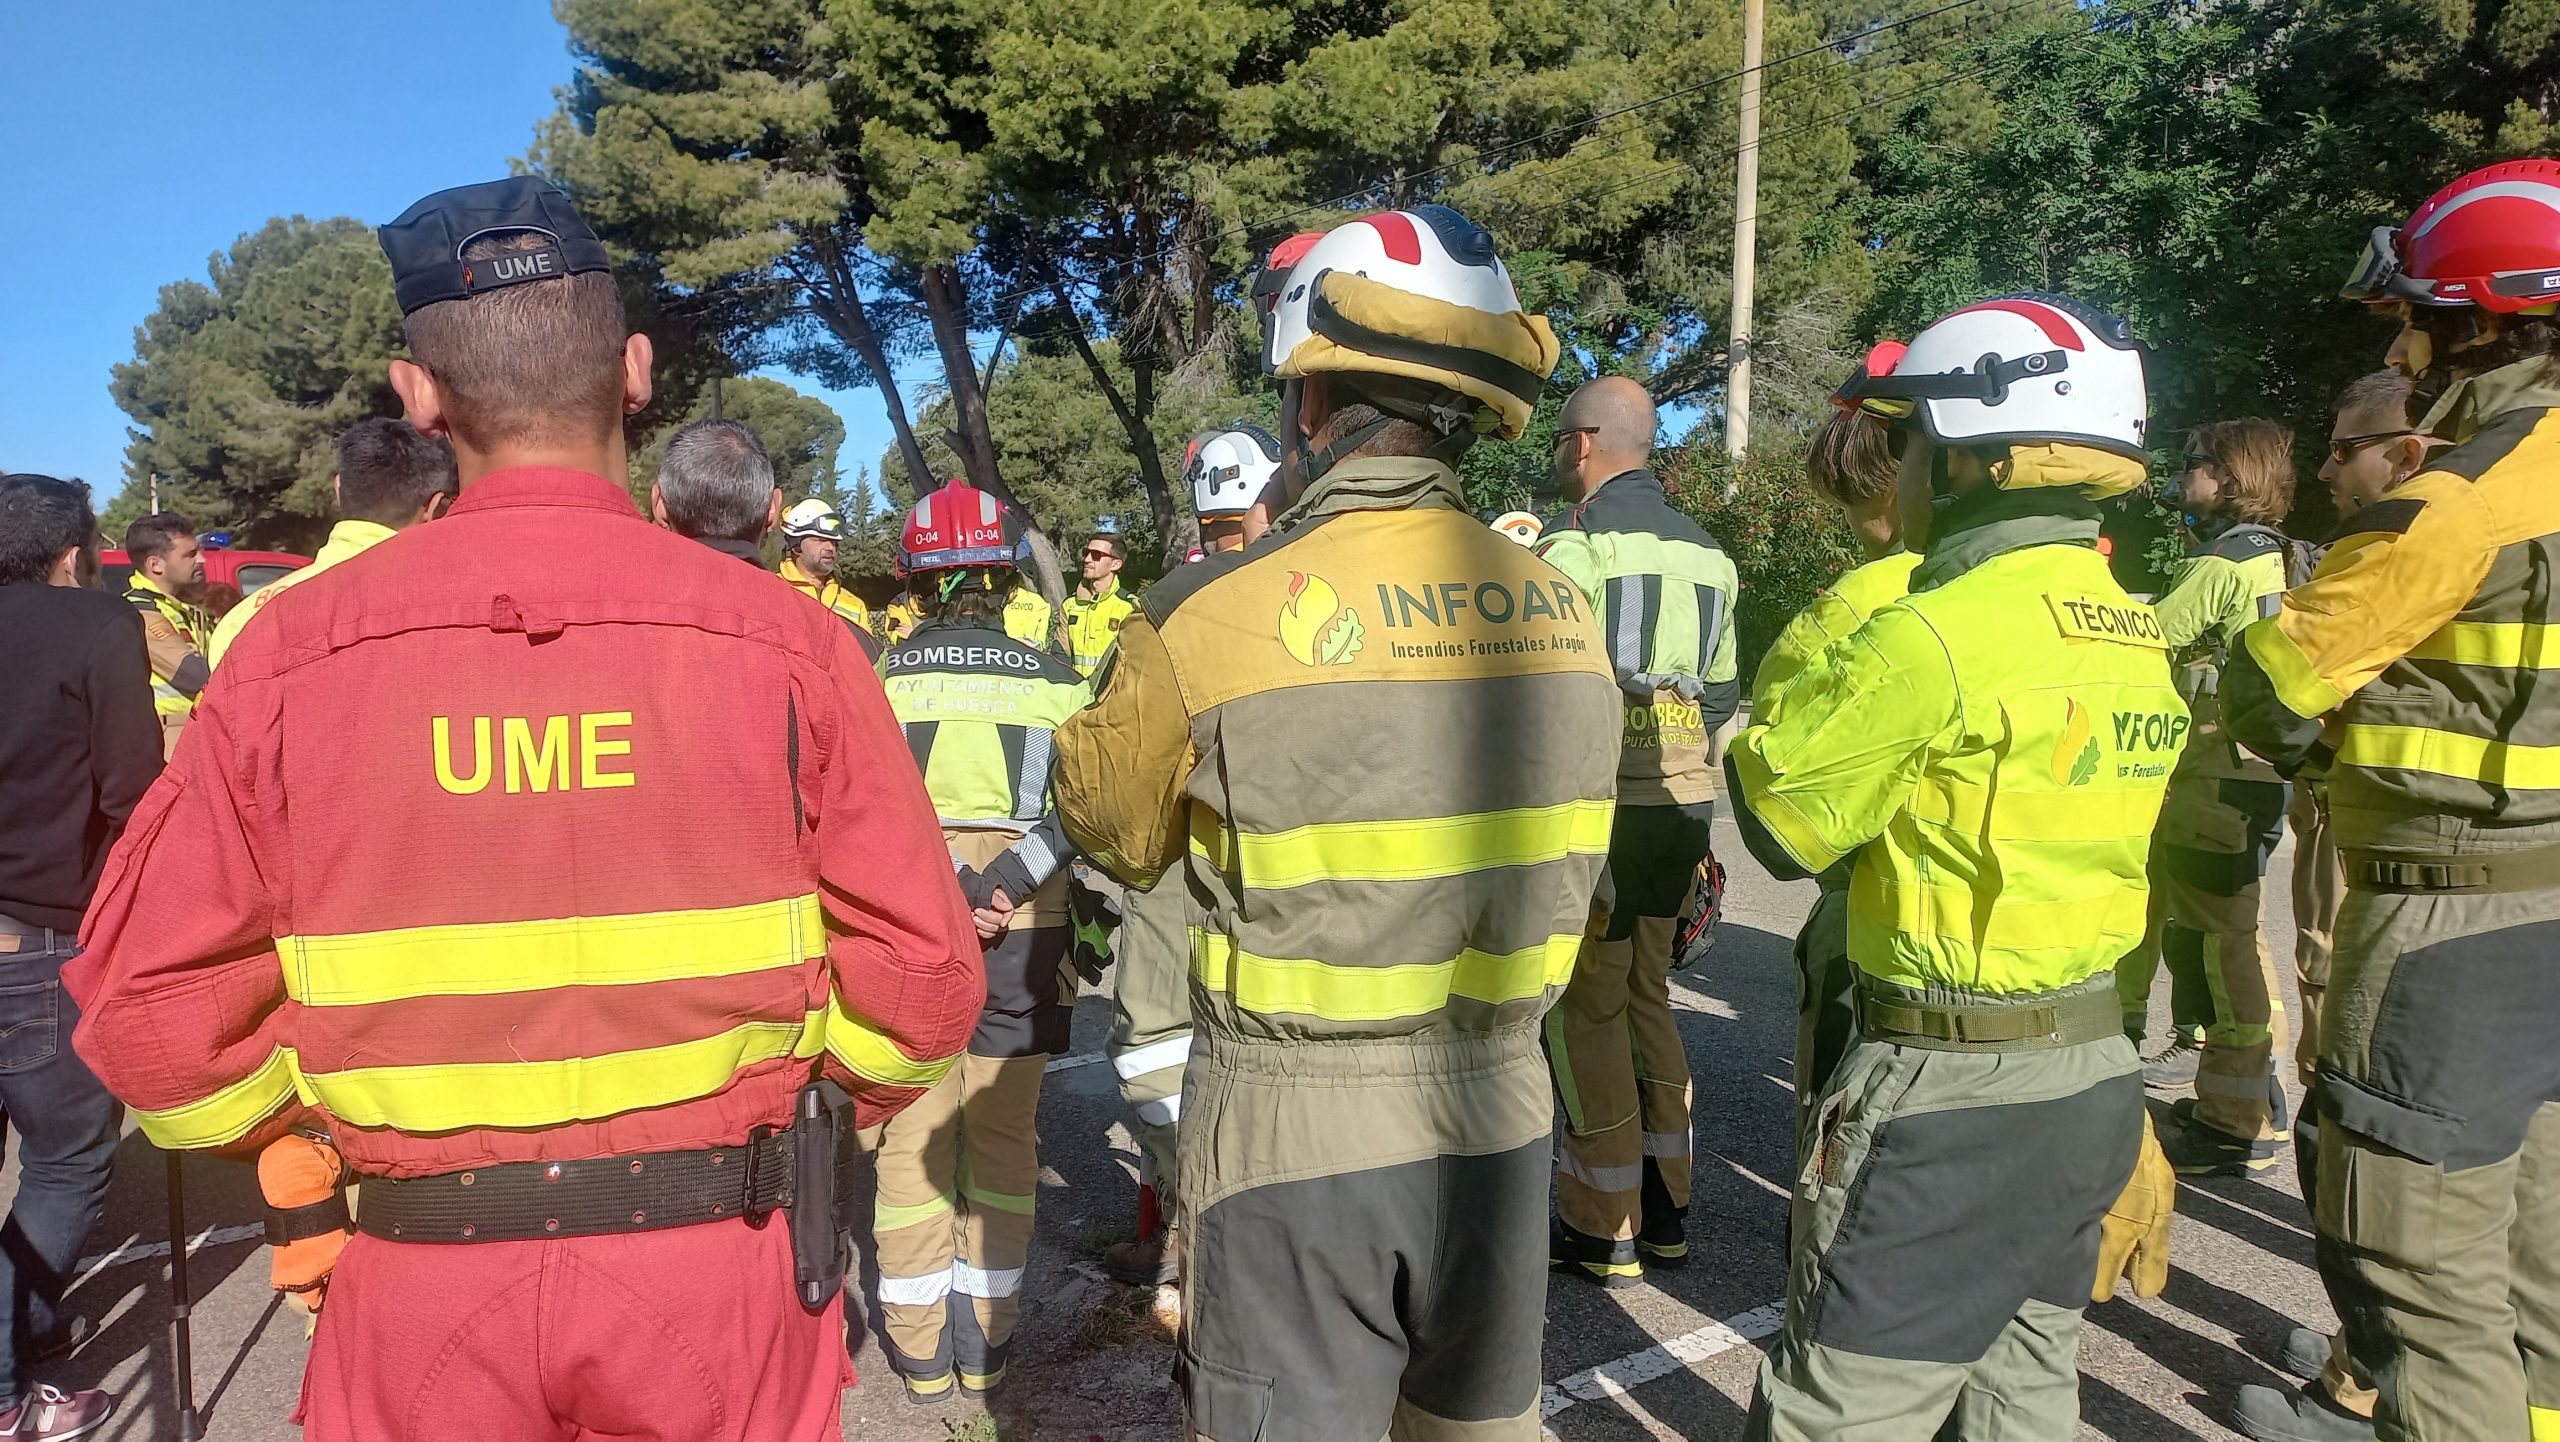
[425, 244]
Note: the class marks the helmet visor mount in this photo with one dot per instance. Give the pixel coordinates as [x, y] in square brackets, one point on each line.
[2378, 279]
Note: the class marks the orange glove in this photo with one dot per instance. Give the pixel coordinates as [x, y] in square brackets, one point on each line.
[2134, 1237]
[307, 1221]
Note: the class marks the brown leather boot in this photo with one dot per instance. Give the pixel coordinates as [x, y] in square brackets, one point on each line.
[1153, 1261]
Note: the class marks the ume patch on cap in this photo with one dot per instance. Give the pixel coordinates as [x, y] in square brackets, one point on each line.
[425, 244]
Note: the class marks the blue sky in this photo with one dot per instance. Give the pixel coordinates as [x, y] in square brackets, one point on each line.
[138, 137]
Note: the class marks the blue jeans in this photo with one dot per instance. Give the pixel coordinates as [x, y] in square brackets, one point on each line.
[67, 1127]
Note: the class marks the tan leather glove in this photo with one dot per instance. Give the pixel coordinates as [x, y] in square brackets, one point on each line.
[2134, 1237]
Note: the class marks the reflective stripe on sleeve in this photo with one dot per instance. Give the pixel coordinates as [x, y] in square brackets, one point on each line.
[226, 1115]
[1137, 1061]
[1163, 1112]
[863, 1047]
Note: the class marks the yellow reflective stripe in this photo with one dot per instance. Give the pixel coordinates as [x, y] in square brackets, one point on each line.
[860, 1044]
[2077, 814]
[227, 1115]
[547, 1093]
[2447, 753]
[886, 1218]
[2298, 685]
[2514, 645]
[1419, 849]
[493, 958]
[1379, 993]
[1020, 1206]
[2546, 1423]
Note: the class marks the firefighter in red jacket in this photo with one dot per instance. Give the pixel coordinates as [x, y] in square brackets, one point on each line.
[556, 899]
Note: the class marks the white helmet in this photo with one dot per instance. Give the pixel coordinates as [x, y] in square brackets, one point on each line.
[1521, 526]
[1227, 470]
[2022, 369]
[1417, 294]
[812, 517]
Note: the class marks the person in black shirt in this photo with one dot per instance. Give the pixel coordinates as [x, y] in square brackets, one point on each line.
[716, 485]
[79, 744]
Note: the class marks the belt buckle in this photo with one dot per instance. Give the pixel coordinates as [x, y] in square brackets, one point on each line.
[758, 1139]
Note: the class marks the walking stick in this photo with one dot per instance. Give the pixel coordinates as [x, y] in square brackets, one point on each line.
[181, 1339]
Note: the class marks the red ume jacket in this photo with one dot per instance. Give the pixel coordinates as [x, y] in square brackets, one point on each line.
[535, 832]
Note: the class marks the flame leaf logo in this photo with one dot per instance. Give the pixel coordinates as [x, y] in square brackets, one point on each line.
[2075, 760]
[1315, 627]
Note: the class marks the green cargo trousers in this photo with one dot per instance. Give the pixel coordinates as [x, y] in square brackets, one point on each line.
[1944, 1237]
[2439, 1180]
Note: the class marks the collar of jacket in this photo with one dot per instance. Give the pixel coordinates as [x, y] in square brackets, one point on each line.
[140, 582]
[351, 538]
[747, 551]
[519, 487]
[2474, 401]
[1110, 588]
[1639, 479]
[1376, 483]
[1992, 522]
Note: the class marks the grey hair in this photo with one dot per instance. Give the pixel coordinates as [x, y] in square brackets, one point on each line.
[716, 481]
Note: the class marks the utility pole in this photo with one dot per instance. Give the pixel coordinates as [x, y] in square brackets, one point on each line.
[715, 399]
[1746, 221]
[155, 493]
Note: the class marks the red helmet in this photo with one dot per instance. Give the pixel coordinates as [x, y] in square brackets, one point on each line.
[959, 528]
[2490, 239]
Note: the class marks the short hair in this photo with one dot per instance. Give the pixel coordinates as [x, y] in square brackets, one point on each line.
[716, 481]
[2256, 460]
[40, 518]
[1851, 459]
[1395, 437]
[154, 534]
[387, 469]
[2383, 390]
[1119, 547]
[529, 362]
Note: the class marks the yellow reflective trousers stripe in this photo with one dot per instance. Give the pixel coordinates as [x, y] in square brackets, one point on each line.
[1378, 993]
[2506, 645]
[1419, 849]
[861, 1045]
[493, 958]
[2448, 753]
[227, 1115]
[448, 1096]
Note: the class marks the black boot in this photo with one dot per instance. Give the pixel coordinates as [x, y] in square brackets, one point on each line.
[1663, 1241]
[1595, 1259]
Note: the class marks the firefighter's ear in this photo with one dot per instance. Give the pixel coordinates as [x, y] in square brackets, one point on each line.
[773, 512]
[637, 355]
[419, 397]
[658, 506]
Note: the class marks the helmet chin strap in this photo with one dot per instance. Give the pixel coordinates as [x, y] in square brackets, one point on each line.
[1448, 414]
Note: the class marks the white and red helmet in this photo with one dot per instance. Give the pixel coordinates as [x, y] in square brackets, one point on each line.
[1417, 294]
[2490, 239]
[1228, 469]
[2019, 369]
[1521, 526]
[959, 528]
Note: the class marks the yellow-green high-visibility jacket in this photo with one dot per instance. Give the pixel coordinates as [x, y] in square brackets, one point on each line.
[981, 711]
[1993, 749]
[1383, 740]
[830, 593]
[1840, 608]
[1094, 622]
[2225, 585]
[171, 630]
[1027, 618]
[2416, 664]
[1664, 590]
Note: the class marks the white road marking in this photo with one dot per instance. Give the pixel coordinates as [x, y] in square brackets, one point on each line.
[88, 1267]
[1680, 1353]
[1073, 1060]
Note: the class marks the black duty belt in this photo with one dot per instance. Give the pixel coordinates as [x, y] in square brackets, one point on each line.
[2535, 868]
[2073, 1019]
[595, 1196]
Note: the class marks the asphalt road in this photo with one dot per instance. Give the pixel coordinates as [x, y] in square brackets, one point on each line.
[1673, 1360]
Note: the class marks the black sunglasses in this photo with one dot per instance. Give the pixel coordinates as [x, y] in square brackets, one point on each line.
[1096, 553]
[2344, 448]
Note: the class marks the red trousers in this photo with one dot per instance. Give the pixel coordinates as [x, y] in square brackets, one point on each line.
[687, 1335]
